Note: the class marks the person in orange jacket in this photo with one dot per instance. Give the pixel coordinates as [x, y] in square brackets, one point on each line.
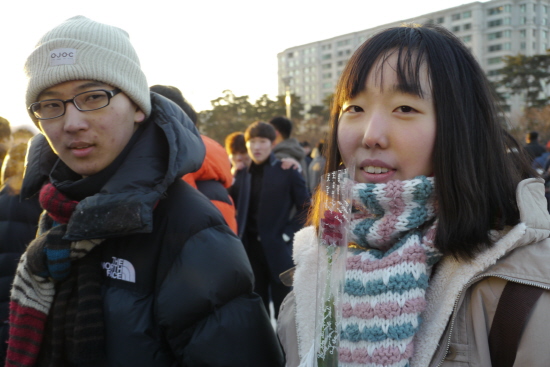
[214, 176]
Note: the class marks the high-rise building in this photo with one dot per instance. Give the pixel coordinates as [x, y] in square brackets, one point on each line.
[491, 30]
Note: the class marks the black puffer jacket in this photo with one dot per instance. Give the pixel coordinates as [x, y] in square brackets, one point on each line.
[177, 282]
[18, 225]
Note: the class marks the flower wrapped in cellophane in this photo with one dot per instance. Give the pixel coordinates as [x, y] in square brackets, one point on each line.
[335, 210]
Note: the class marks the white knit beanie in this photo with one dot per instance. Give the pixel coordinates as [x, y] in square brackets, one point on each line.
[82, 49]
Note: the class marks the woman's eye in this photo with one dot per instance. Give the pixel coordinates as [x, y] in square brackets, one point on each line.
[405, 109]
[353, 109]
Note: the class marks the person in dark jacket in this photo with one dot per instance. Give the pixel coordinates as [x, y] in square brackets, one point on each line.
[265, 194]
[285, 147]
[214, 177]
[132, 266]
[18, 226]
[532, 146]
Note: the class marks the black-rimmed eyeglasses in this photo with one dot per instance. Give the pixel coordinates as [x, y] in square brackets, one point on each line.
[87, 101]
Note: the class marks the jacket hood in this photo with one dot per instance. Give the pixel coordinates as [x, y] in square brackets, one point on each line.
[216, 165]
[168, 147]
[530, 256]
[290, 147]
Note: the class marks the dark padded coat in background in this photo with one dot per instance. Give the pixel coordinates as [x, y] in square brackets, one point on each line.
[177, 285]
[18, 225]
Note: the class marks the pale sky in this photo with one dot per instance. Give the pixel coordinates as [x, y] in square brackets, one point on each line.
[202, 47]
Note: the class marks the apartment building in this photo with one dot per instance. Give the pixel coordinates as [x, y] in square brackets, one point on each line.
[491, 30]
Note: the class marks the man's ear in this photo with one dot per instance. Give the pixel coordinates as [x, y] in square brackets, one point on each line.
[139, 115]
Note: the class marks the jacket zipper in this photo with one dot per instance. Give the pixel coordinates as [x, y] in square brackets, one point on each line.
[466, 286]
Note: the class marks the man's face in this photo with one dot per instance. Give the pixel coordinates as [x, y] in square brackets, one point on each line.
[259, 149]
[239, 160]
[89, 141]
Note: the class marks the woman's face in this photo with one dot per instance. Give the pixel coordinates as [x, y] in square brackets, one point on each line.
[385, 133]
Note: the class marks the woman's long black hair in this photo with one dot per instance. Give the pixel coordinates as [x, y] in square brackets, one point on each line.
[477, 164]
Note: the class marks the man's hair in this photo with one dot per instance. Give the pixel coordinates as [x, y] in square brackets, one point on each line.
[260, 129]
[533, 136]
[175, 95]
[23, 134]
[234, 143]
[5, 130]
[321, 147]
[14, 162]
[282, 125]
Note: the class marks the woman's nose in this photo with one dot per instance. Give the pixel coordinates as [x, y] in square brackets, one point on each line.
[376, 131]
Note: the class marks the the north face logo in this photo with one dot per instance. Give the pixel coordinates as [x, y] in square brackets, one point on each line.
[120, 269]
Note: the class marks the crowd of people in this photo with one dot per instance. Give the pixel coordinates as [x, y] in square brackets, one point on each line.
[128, 238]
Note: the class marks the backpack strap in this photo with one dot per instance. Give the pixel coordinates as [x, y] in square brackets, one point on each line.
[514, 307]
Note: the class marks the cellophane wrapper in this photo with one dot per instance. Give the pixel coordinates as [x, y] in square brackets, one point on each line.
[332, 253]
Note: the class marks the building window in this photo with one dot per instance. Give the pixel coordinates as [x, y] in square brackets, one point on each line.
[326, 47]
[456, 28]
[440, 20]
[493, 11]
[507, 46]
[327, 85]
[507, 21]
[523, 20]
[327, 75]
[290, 55]
[508, 33]
[341, 63]
[466, 38]
[326, 66]
[326, 56]
[494, 60]
[494, 48]
[493, 72]
[523, 45]
[455, 16]
[494, 35]
[534, 32]
[523, 8]
[544, 34]
[467, 14]
[343, 43]
[467, 26]
[507, 8]
[494, 23]
[522, 33]
[544, 9]
[544, 21]
[534, 45]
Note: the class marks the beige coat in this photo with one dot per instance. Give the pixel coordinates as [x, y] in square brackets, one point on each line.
[462, 296]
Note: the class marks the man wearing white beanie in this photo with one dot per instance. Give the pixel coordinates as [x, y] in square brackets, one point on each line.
[131, 266]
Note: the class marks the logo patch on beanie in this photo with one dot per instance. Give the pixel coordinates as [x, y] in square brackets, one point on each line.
[63, 56]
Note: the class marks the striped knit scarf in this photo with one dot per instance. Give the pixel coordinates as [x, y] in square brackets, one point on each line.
[55, 307]
[387, 272]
